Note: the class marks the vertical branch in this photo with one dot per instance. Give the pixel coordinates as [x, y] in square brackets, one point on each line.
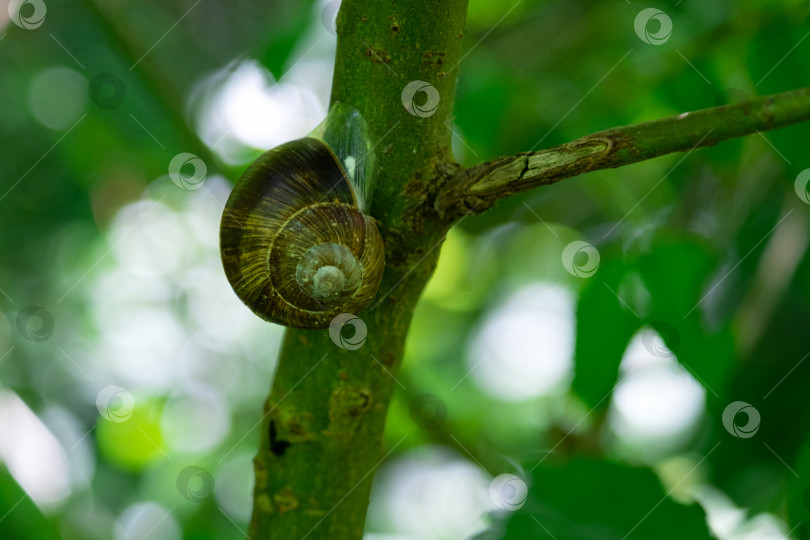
[321, 439]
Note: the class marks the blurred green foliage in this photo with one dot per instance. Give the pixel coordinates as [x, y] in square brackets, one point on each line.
[570, 500]
[709, 251]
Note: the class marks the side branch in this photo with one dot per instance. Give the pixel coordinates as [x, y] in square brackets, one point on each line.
[481, 186]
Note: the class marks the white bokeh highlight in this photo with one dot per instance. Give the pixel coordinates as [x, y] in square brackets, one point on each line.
[195, 421]
[525, 346]
[656, 402]
[31, 453]
[246, 106]
[429, 493]
[57, 97]
[147, 521]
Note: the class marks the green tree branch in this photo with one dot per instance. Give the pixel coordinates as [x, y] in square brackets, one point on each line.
[481, 186]
[321, 435]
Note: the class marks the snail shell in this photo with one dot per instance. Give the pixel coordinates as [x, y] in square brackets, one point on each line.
[295, 245]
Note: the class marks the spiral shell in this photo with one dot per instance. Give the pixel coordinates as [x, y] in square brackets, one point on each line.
[295, 246]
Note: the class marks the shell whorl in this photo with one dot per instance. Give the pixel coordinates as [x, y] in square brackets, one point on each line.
[295, 247]
[329, 271]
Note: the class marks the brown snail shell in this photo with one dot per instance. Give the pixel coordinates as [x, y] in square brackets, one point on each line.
[295, 245]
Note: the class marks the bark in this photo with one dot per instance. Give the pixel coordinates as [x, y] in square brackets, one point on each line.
[479, 187]
[323, 424]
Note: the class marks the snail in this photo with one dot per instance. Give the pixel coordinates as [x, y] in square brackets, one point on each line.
[297, 244]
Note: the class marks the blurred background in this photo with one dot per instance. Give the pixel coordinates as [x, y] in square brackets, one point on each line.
[619, 354]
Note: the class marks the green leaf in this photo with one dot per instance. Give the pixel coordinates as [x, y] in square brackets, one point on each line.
[19, 516]
[799, 494]
[586, 499]
[676, 272]
[604, 328]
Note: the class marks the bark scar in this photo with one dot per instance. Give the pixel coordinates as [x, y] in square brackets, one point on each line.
[525, 168]
[277, 446]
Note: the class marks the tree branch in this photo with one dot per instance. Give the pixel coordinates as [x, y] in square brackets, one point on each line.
[321, 434]
[479, 187]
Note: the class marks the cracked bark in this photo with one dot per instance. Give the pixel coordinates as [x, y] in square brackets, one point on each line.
[482, 185]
